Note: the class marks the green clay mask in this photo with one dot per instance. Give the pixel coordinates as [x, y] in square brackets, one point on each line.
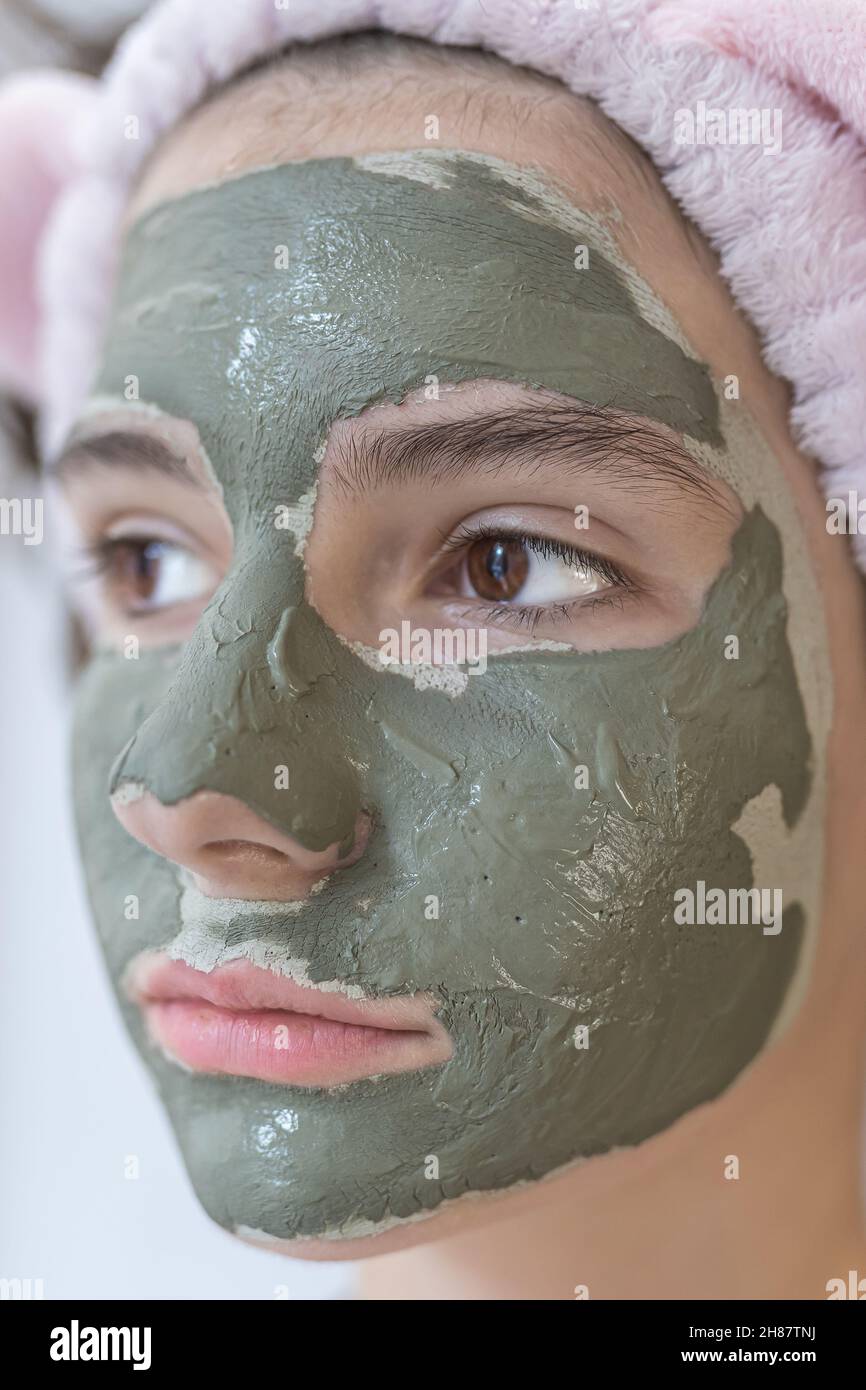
[584, 1016]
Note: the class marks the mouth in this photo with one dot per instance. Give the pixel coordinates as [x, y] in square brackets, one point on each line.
[242, 1020]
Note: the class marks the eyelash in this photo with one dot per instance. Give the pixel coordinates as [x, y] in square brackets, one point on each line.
[529, 615]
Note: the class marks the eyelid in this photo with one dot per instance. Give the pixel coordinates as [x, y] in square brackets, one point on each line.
[113, 517]
[95, 546]
[137, 526]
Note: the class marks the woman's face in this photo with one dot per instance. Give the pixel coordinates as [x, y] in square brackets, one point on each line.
[392, 922]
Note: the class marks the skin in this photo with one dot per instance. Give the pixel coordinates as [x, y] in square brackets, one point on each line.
[733, 350]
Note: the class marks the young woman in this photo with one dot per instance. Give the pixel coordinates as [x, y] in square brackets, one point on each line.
[467, 757]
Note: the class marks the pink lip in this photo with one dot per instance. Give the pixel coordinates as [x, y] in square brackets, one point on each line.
[241, 1020]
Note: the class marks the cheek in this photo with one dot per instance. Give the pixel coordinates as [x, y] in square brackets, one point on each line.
[134, 893]
[590, 793]
[553, 866]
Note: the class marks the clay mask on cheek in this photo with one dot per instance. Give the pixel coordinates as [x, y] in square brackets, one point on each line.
[263, 310]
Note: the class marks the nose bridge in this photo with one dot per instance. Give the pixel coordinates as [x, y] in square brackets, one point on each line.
[257, 711]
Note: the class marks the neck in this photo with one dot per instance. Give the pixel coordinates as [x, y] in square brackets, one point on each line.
[671, 1219]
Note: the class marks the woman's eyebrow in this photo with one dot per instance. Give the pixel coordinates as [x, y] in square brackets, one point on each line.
[574, 438]
[129, 449]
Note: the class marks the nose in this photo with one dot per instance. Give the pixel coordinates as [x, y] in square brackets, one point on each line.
[231, 851]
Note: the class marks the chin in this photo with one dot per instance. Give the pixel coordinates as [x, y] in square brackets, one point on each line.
[452, 1218]
[322, 1248]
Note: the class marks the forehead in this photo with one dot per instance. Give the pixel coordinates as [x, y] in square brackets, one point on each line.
[284, 115]
[293, 111]
[329, 283]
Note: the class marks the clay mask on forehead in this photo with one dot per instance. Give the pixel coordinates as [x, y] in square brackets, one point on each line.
[263, 310]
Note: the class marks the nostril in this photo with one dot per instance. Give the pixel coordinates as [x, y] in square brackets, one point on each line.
[249, 852]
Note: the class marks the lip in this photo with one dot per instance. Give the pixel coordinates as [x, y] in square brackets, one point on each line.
[243, 1020]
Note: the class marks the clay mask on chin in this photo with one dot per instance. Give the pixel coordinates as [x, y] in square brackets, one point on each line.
[556, 905]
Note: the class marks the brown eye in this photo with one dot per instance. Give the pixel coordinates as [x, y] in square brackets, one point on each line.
[497, 567]
[145, 573]
[132, 570]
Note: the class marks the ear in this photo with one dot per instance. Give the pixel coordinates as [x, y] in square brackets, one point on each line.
[39, 113]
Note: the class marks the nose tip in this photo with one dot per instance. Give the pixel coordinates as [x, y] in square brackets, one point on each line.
[231, 851]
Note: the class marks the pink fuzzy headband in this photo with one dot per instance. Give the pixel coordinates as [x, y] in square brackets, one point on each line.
[755, 116]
